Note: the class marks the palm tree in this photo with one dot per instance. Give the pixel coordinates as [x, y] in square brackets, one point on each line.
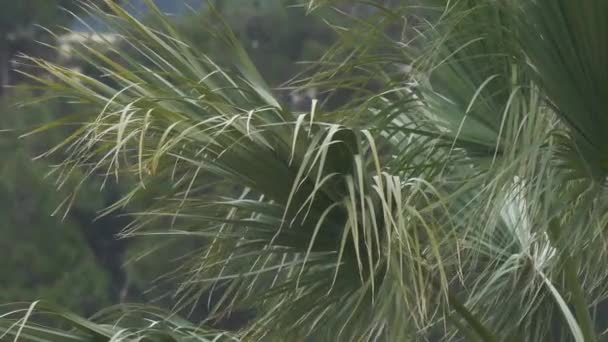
[457, 193]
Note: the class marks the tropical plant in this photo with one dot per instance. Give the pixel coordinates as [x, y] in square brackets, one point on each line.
[456, 193]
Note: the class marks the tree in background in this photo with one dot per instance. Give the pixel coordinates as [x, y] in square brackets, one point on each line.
[43, 256]
[18, 28]
[23, 22]
[279, 55]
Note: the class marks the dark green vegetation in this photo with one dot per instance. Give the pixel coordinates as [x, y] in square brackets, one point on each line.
[40, 256]
[21, 25]
[455, 191]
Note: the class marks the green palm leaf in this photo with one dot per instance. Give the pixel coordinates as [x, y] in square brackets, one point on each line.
[434, 194]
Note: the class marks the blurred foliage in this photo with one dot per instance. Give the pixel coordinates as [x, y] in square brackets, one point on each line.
[22, 14]
[41, 256]
[277, 34]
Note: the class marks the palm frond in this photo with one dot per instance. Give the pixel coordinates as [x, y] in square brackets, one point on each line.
[124, 323]
[414, 207]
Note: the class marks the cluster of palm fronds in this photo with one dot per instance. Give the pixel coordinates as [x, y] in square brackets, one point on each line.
[456, 191]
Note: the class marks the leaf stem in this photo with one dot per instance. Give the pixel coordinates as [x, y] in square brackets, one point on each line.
[574, 286]
[474, 323]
